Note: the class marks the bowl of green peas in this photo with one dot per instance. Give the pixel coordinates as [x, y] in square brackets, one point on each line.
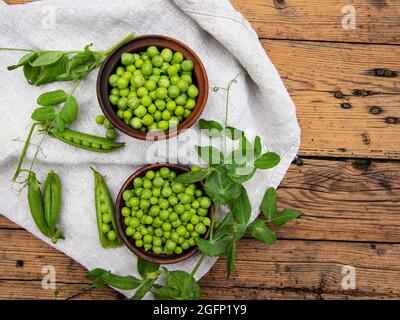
[159, 219]
[152, 87]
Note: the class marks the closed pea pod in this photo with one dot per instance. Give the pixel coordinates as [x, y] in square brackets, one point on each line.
[86, 141]
[35, 202]
[105, 214]
[52, 204]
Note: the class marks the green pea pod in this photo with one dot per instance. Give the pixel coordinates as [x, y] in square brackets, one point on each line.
[86, 141]
[105, 206]
[52, 202]
[52, 98]
[35, 202]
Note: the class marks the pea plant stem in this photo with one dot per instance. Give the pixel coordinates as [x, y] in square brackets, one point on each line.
[126, 39]
[196, 268]
[16, 49]
[21, 159]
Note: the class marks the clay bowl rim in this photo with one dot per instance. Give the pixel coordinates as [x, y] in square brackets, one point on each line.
[129, 242]
[137, 44]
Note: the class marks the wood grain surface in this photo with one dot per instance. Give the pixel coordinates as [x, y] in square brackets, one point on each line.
[345, 84]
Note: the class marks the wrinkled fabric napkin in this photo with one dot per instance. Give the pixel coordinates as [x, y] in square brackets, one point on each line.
[224, 41]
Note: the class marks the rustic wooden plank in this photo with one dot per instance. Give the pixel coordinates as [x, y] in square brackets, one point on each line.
[313, 71]
[289, 269]
[16, 290]
[338, 201]
[377, 21]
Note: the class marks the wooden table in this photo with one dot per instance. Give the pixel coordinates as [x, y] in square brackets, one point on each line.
[345, 84]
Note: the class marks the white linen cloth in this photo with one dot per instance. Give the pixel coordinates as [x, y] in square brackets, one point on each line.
[221, 37]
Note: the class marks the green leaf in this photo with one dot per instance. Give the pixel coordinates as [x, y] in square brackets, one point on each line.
[241, 173]
[233, 133]
[231, 256]
[69, 111]
[192, 177]
[210, 154]
[211, 128]
[52, 98]
[145, 268]
[179, 285]
[268, 204]
[241, 207]
[257, 147]
[44, 114]
[78, 60]
[143, 289]
[220, 187]
[59, 125]
[121, 282]
[31, 74]
[95, 274]
[240, 231]
[267, 161]
[246, 148]
[259, 230]
[224, 227]
[100, 277]
[214, 248]
[24, 60]
[48, 58]
[285, 216]
[51, 72]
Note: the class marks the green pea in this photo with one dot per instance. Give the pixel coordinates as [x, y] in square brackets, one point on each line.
[166, 115]
[187, 65]
[170, 245]
[126, 212]
[127, 58]
[173, 122]
[166, 54]
[163, 203]
[166, 226]
[152, 51]
[134, 222]
[139, 243]
[194, 220]
[112, 235]
[158, 182]
[119, 71]
[139, 63]
[157, 61]
[111, 134]
[164, 214]
[178, 57]
[112, 80]
[153, 200]
[166, 192]
[163, 125]
[202, 212]
[122, 83]
[131, 68]
[137, 235]
[161, 93]
[158, 231]
[173, 200]
[100, 119]
[185, 217]
[137, 182]
[113, 99]
[95, 146]
[193, 92]
[105, 228]
[157, 250]
[147, 120]
[140, 111]
[173, 91]
[164, 172]
[157, 222]
[156, 192]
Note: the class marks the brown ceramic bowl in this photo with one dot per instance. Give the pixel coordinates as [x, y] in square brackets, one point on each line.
[129, 242]
[137, 45]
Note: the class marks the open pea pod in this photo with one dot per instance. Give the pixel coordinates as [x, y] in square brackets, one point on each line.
[105, 214]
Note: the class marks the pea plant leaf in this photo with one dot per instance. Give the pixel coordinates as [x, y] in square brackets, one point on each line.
[261, 232]
[257, 147]
[51, 72]
[59, 124]
[231, 256]
[224, 227]
[146, 268]
[285, 216]
[211, 128]
[267, 161]
[268, 204]
[220, 187]
[214, 248]
[31, 73]
[179, 285]
[233, 133]
[241, 207]
[47, 58]
[43, 114]
[24, 60]
[101, 277]
[192, 177]
[143, 289]
[246, 148]
[210, 154]
[69, 111]
[52, 98]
